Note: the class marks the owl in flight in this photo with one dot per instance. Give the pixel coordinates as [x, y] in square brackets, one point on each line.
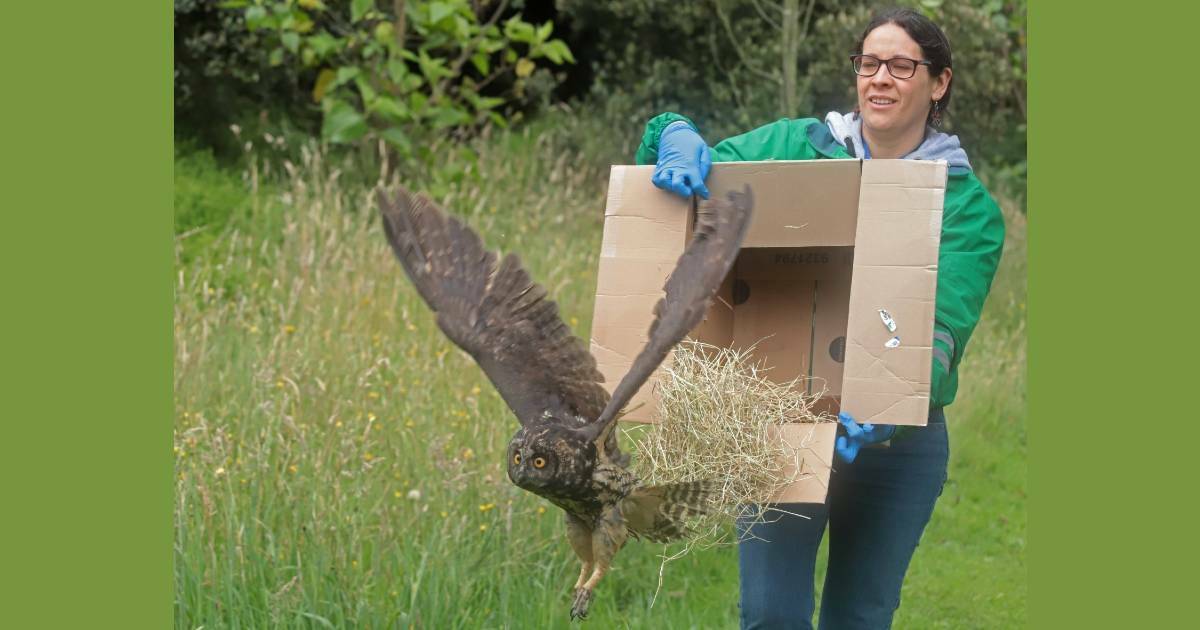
[566, 449]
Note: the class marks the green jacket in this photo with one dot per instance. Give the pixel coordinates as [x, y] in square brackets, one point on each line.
[972, 230]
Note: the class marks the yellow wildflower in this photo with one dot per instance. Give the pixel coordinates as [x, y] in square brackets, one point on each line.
[444, 513]
[483, 527]
[486, 507]
[371, 417]
[475, 390]
[541, 509]
[289, 329]
[293, 468]
[468, 453]
[372, 394]
[368, 456]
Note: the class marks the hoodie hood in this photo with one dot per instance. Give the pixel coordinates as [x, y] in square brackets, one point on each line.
[847, 131]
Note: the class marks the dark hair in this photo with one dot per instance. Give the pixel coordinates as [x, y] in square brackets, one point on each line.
[935, 46]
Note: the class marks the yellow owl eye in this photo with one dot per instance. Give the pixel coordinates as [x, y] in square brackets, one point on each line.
[517, 459]
[539, 462]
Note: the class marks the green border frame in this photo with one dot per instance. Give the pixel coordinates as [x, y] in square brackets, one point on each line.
[85, 252]
[1113, 224]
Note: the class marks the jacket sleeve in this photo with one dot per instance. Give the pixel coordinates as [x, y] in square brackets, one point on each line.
[783, 139]
[972, 240]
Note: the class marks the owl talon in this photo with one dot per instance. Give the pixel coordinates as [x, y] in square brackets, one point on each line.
[579, 609]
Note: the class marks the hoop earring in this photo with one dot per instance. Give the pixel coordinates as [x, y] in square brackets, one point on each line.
[936, 115]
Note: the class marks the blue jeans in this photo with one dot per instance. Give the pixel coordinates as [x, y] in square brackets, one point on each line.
[877, 509]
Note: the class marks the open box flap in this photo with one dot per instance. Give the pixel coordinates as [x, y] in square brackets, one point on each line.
[895, 270]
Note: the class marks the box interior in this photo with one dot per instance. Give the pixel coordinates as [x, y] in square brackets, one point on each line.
[789, 305]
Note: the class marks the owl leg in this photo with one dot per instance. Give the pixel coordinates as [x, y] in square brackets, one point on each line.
[579, 534]
[607, 539]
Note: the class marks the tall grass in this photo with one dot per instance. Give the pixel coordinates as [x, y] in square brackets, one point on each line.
[340, 464]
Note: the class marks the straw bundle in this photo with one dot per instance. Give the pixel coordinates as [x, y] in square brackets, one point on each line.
[719, 423]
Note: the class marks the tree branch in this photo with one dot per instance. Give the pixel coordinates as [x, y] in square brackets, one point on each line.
[733, 88]
[737, 49]
[469, 49]
[789, 43]
[808, 11]
[766, 18]
[401, 24]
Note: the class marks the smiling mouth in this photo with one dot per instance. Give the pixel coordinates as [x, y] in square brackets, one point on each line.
[881, 100]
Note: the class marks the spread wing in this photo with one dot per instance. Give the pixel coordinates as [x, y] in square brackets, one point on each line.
[720, 227]
[495, 312]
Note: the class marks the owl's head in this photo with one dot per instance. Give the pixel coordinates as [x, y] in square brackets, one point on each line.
[551, 461]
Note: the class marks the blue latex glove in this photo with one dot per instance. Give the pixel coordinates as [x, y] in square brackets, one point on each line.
[859, 435]
[683, 162]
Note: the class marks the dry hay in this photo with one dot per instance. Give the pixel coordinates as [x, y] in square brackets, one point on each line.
[719, 418]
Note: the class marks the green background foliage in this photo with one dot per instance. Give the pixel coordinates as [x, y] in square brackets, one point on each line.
[724, 63]
[407, 74]
[729, 64]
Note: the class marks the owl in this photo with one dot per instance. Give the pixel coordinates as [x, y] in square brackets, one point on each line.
[566, 447]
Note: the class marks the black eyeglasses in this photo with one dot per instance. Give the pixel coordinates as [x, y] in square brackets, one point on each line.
[898, 67]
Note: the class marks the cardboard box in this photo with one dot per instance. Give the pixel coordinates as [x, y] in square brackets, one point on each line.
[831, 243]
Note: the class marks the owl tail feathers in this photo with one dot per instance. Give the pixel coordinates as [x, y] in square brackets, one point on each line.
[660, 513]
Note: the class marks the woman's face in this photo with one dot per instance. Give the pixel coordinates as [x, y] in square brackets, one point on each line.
[894, 106]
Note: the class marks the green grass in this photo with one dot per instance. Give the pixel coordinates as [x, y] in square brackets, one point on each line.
[339, 463]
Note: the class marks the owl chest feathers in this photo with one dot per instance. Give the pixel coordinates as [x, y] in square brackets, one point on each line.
[608, 485]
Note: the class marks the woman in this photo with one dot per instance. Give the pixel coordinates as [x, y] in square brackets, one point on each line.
[880, 499]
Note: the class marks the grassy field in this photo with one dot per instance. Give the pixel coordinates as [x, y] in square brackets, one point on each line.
[340, 464]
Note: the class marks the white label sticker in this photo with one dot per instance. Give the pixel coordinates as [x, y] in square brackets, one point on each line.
[887, 320]
[894, 342]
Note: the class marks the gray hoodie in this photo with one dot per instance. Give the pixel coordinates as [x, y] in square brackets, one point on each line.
[847, 128]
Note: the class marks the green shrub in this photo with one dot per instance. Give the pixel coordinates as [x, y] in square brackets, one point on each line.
[207, 195]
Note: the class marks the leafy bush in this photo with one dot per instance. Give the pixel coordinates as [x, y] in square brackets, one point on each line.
[212, 200]
[413, 72]
[206, 195]
[222, 76]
